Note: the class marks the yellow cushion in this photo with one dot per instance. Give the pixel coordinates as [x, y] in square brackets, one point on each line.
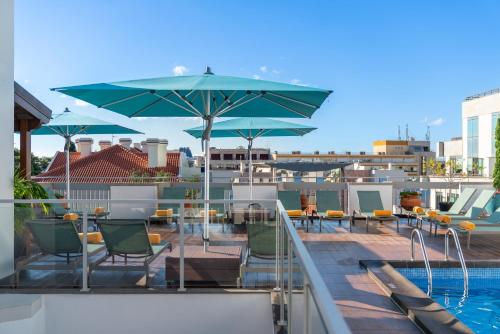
[71, 216]
[92, 237]
[467, 225]
[418, 210]
[334, 213]
[164, 213]
[431, 214]
[154, 238]
[99, 210]
[211, 213]
[382, 213]
[294, 213]
[444, 219]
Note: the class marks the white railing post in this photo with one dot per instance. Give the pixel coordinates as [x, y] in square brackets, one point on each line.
[290, 284]
[282, 321]
[181, 248]
[85, 268]
[307, 319]
[278, 219]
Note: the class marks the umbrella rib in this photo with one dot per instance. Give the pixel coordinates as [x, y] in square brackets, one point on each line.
[237, 103]
[141, 110]
[293, 100]
[285, 107]
[177, 105]
[186, 101]
[122, 100]
[226, 100]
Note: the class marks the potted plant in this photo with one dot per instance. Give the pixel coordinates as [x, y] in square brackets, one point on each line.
[449, 171]
[410, 199]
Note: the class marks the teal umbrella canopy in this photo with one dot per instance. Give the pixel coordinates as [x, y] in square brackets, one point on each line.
[253, 127]
[206, 95]
[69, 124]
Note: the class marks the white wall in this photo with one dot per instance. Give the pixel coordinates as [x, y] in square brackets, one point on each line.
[22, 313]
[259, 192]
[130, 210]
[385, 194]
[6, 135]
[240, 313]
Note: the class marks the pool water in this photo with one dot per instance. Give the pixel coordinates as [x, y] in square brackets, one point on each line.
[479, 310]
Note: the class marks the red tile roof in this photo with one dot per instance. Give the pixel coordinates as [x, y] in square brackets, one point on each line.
[115, 164]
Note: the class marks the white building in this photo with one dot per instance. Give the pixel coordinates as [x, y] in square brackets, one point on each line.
[479, 117]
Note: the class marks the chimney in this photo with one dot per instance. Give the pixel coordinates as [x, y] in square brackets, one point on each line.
[125, 142]
[152, 145]
[162, 152]
[104, 144]
[144, 146]
[138, 146]
[84, 146]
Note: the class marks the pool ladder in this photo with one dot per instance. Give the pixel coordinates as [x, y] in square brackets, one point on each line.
[452, 232]
[418, 233]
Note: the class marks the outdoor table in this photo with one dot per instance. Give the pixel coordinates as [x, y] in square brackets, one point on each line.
[218, 266]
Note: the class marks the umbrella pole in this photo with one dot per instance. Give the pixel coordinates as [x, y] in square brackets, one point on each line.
[250, 168]
[66, 149]
[206, 191]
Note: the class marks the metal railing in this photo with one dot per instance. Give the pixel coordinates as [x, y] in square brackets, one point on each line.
[417, 232]
[460, 255]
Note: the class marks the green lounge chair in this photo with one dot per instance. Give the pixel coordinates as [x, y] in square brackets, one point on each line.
[176, 193]
[459, 206]
[217, 194]
[369, 201]
[60, 247]
[328, 200]
[128, 239]
[477, 208]
[291, 201]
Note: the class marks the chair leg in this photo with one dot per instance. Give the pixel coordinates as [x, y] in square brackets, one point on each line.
[367, 225]
[397, 222]
[468, 239]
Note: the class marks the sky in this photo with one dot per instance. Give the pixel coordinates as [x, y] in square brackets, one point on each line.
[389, 63]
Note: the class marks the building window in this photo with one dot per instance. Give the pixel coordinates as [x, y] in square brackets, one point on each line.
[228, 156]
[475, 166]
[264, 156]
[254, 156]
[240, 156]
[494, 119]
[472, 137]
[215, 157]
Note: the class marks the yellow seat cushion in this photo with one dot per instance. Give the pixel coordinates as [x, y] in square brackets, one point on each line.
[467, 225]
[418, 210]
[92, 237]
[71, 216]
[431, 214]
[382, 213]
[154, 238]
[99, 210]
[211, 213]
[444, 219]
[294, 213]
[164, 213]
[334, 213]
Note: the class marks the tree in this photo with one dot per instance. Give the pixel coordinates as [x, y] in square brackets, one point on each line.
[496, 170]
[448, 170]
[38, 164]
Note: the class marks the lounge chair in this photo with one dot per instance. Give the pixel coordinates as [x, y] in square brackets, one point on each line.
[459, 205]
[477, 208]
[220, 210]
[128, 239]
[60, 247]
[291, 202]
[171, 209]
[328, 207]
[369, 203]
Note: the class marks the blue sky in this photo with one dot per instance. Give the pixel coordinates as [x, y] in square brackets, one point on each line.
[388, 62]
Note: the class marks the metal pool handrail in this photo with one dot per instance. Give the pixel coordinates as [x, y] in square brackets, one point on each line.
[417, 232]
[460, 255]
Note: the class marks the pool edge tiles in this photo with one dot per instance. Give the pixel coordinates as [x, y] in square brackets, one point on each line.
[427, 314]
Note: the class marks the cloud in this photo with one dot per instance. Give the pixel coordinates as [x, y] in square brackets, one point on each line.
[263, 69]
[437, 122]
[275, 72]
[180, 70]
[295, 81]
[256, 76]
[80, 103]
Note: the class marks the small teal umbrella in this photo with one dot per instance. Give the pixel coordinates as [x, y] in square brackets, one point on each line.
[206, 96]
[69, 124]
[251, 128]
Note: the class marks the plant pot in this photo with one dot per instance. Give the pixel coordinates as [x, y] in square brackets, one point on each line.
[444, 206]
[408, 202]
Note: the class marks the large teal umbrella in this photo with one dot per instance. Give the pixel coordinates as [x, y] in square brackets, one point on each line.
[251, 128]
[69, 124]
[206, 96]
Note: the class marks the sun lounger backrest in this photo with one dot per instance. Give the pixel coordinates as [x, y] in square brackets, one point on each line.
[369, 200]
[290, 199]
[494, 217]
[461, 201]
[262, 240]
[125, 237]
[55, 236]
[479, 205]
[216, 193]
[177, 193]
[327, 200]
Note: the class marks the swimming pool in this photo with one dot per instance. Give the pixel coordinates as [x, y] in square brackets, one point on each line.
[479, 310]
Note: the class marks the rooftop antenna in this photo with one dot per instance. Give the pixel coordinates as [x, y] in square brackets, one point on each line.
[407, 135]
[399, 132]
[428, 133]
